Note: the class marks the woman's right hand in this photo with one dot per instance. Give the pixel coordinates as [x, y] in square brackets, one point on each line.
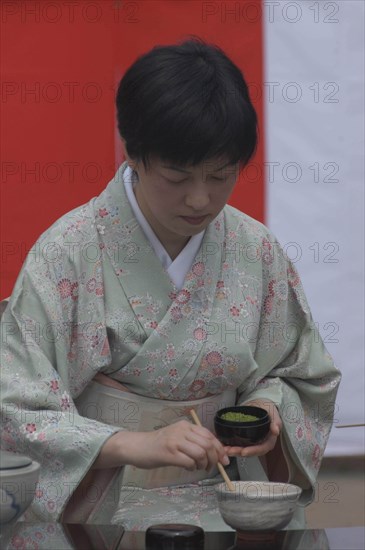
[180, 444]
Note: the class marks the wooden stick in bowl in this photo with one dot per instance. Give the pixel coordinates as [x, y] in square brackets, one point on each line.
[220, 467]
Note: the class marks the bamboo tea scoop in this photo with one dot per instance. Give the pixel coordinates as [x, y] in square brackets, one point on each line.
[220, 467]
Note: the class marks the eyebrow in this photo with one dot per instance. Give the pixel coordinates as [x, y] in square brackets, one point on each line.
[188, 172]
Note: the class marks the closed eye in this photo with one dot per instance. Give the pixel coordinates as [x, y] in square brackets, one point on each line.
[176, 181]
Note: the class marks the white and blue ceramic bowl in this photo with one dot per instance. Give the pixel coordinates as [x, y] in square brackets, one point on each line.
[18, 478]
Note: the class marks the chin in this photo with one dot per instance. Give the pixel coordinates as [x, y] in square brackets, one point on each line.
[193, 231]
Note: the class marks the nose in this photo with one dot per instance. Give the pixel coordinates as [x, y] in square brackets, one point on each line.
[198, 197]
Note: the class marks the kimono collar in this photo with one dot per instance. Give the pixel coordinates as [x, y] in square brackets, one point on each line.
[132, 256]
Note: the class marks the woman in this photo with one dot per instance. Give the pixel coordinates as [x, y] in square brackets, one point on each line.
[155, 297]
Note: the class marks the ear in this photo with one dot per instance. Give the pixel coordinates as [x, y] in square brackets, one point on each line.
[132, 163]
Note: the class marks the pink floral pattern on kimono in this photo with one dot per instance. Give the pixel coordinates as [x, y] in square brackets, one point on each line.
[105, 304]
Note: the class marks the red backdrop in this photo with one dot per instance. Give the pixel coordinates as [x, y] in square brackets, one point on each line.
[60, 63]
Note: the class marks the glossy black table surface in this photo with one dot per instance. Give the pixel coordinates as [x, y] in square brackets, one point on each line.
[56, 536]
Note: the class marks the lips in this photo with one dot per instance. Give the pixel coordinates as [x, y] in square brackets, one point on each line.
[194, 220]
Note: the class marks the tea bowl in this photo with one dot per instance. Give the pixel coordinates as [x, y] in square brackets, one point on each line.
[242, 433]
[257, 505]
[18, 478]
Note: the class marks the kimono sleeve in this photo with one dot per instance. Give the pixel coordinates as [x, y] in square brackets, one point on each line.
[294, 370]
[38, 415]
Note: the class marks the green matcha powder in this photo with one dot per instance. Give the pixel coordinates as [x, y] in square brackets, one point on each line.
[238, 417]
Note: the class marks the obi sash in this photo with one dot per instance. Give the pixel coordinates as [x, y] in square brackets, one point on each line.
[139, 413]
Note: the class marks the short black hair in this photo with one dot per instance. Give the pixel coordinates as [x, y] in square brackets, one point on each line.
[186, 103]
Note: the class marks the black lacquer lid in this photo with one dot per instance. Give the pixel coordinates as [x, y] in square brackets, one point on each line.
[174, 536]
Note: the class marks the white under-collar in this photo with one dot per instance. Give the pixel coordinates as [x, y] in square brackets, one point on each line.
[177, 268]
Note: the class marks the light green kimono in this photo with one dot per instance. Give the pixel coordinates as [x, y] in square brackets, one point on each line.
[93, 297]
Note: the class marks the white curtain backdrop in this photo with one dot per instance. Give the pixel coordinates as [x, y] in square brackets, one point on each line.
[314, 75]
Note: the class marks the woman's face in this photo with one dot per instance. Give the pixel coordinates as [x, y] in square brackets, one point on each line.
[179, 202]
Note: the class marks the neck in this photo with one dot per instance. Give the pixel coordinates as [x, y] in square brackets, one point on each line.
[173, 249]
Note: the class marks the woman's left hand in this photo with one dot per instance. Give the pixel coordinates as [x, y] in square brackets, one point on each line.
[270, 441]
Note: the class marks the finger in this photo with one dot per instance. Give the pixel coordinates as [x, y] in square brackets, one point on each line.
[234, 451]
[211, 440]
[212, 451]
[195, 452]
[257, 450]
[254, 450]
[202, 441]
[276, 424]
[260, 450]
[184, 461]
[207, 435]
[206, 444]
[275, 428]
